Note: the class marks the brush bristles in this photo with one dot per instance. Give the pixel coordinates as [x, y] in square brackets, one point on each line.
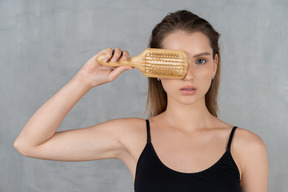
[170, 64]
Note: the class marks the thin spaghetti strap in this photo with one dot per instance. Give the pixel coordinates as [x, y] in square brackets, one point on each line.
[148, 131]
[230, 138]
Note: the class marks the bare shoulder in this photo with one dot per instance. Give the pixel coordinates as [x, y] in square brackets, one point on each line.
[124, 122]
[131, 133]
[123, 127]
[249, 151]
[247, 141]
[128, 130]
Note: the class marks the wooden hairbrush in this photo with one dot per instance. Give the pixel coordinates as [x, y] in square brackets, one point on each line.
[159, 63]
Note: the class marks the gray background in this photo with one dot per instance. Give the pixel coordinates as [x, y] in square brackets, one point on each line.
[44, 43]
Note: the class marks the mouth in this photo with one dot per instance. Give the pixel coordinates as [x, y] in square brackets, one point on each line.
[188, 90]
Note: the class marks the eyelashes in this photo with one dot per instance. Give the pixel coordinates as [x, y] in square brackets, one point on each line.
[201, 61]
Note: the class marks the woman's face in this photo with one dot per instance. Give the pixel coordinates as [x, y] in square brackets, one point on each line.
[201, 66]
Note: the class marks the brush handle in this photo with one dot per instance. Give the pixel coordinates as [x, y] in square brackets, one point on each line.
[117, 63]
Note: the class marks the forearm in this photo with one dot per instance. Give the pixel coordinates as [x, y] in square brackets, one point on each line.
[45, 121]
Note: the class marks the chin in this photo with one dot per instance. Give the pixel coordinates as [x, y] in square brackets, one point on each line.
[187, 99]
[188, 103]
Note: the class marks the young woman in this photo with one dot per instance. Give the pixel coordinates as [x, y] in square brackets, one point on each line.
[183, 146]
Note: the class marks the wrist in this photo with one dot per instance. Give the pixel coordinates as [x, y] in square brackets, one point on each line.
[82, 81]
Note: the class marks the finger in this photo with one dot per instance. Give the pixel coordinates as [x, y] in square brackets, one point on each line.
[116, 55]
[125, 55]
[108, 54]
[117, 71]
[94, 57]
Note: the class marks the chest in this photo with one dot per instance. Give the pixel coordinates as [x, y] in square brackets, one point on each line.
[188, 153]
[153, 175]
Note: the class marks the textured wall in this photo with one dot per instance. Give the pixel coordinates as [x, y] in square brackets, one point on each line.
[44, 43]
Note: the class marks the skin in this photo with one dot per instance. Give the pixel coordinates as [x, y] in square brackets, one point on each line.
[190, 111]
[187, 114]
[186, 137]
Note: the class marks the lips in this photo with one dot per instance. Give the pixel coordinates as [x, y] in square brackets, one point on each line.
[188, 88]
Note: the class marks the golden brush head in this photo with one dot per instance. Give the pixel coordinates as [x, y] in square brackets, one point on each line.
[164, 63]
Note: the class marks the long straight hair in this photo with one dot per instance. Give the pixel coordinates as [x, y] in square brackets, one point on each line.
[186, 21]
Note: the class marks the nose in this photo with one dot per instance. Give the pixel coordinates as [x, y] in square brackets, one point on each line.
[189, 74]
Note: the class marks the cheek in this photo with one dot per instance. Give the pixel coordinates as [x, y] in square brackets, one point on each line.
[205, 76]
[203, 79]
[169, 85]
[204, 73]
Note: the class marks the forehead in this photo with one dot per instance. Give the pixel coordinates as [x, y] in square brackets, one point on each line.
[193, 43]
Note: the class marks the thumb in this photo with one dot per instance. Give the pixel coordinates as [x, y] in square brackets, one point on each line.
[117, 71]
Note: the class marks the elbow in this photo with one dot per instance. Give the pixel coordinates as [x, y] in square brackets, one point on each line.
[20, 148]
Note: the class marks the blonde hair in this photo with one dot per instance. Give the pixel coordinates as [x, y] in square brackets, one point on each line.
[186, 21]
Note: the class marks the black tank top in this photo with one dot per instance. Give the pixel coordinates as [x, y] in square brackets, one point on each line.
[153, 176]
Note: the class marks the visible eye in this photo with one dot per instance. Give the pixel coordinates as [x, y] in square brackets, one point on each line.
[200, 61]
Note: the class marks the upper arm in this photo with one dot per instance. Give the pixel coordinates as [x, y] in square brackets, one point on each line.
[101, 141]
[254, 161]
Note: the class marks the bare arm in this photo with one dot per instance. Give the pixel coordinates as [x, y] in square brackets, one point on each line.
[39, 138]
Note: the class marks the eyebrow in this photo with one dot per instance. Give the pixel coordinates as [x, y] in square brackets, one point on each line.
[201, 54]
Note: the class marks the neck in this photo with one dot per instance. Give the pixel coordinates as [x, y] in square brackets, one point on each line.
[187, 118]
